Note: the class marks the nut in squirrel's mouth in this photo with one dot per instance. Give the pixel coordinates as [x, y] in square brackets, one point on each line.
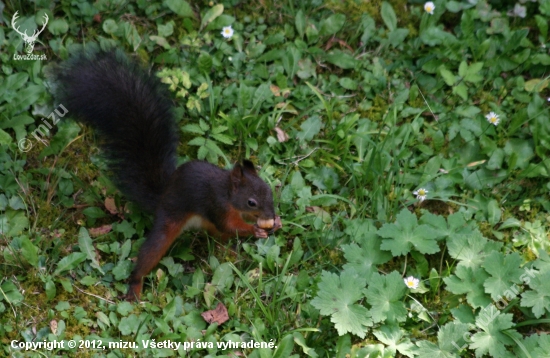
[265, 224]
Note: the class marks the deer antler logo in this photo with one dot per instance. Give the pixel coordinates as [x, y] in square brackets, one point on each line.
[29, 40]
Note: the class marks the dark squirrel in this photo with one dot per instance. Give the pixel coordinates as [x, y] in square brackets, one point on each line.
[132, 113]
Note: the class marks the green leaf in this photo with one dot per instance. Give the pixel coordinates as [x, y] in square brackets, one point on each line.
[496, 160]
[272, 257]
[343, 346]
[337, 297]
[463, 69]
[58, 27]
[202, 152]
[284, 347]
[434, 36]
[29, 251]
[384, 294]
[523, 149]
[204, 126]
[5, 138]
[122, 270]
[310, 128]
[332, 24]
[13, 222]
[348, 83]
[453, 226]
[398, 36]
[494, 212]
[290, 61]
[180, 7]
[537, 344]
[393, 337]
[493, 340]
[369, 28]
[300, 23]
[125, 228]
[129, 325]
[405, 234]
[69, 262]
[447, 75]
[484, 178]
[10, 292]
[449, 338]
[467, 111]
[204, 62]
[211, 15]
[538, 298]
[461, 90]
[542, 24]
[222, 138]
[87, 247]
[198, 141]
[51, 291]
[306, 69]
[469, 249]
[470, 281]
[471, 74]
[505, 271]
[223, 277]
[454, 6]
[388, 15]
[341, 59]
[365, 255]
[165, 30]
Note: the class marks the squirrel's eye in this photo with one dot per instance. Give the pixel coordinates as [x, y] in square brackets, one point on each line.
[252, 203]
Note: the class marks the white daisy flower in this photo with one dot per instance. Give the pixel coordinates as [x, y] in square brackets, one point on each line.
[492, 117]
[227, 32]
[429, 7]
[421, 194]
[411, 282]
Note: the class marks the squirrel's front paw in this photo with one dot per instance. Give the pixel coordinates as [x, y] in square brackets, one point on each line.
[260, 233]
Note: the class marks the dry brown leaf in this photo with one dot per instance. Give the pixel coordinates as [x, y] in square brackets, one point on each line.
[102, 230]
[111, 206]
[281, 135]
[218, 315]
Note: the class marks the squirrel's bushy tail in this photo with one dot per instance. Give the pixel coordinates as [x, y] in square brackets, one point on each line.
[132, 113]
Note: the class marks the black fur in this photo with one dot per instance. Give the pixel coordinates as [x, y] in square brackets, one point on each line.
[132, 113]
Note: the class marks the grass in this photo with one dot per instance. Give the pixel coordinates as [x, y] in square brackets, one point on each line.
[349, 108]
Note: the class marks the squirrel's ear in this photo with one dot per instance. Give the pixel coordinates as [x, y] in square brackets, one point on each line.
[237, 175]
[249, 167]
